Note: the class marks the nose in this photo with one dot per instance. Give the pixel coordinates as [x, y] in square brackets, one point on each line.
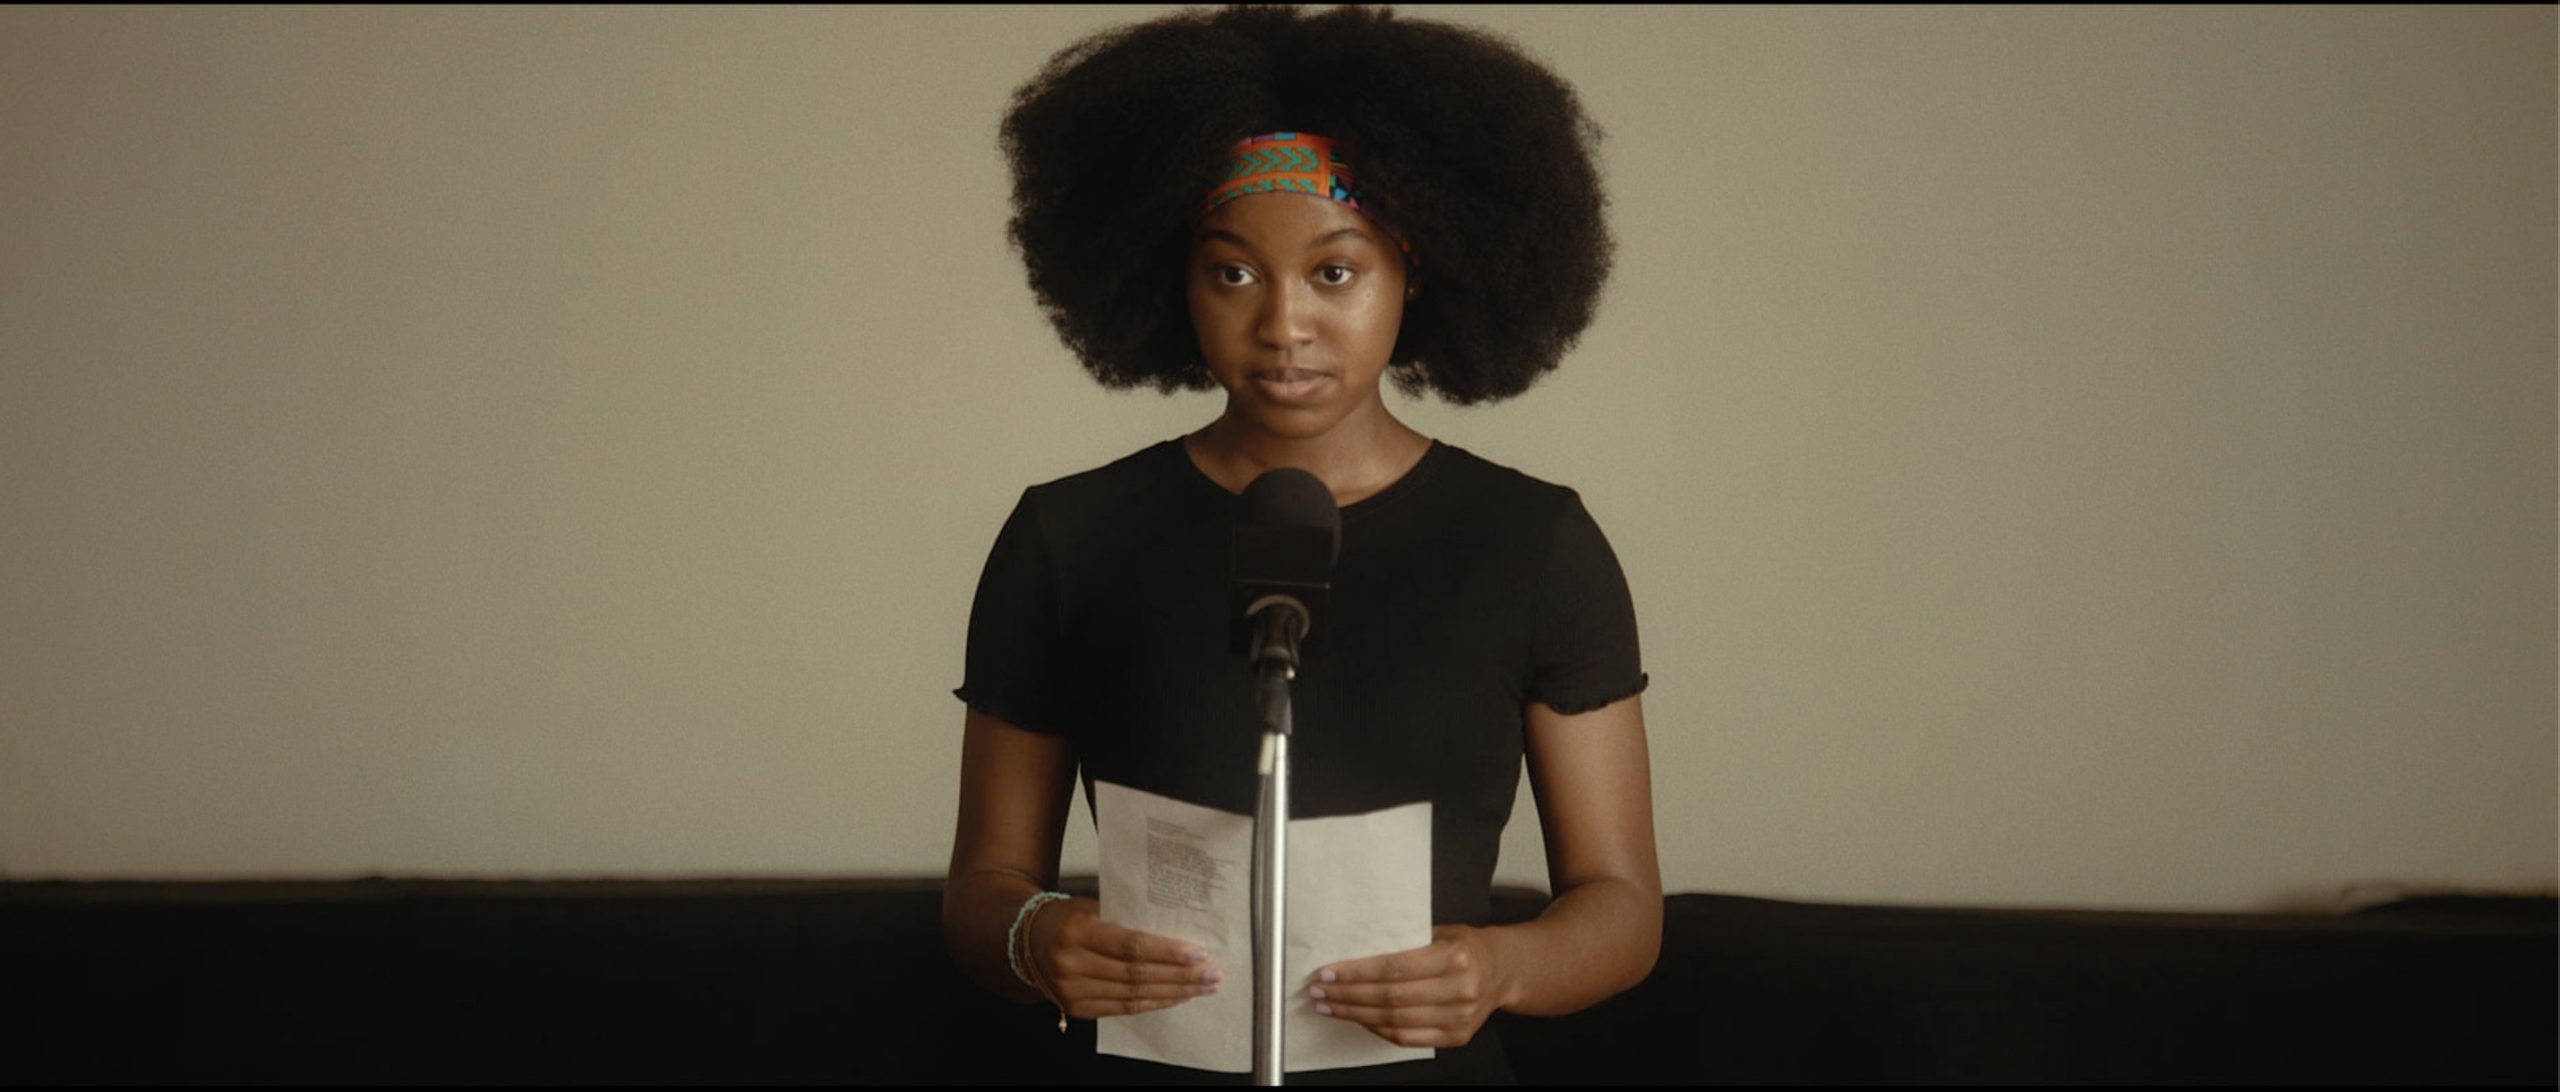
[1286, 319]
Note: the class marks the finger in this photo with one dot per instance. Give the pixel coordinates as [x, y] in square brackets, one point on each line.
[1096, 966]
[1388, 996]
[1091, 1001]
[1113, 989]
[1098, 1007]
[1429, 1026]
[1396, 1016]
[1408, 966]
[1093, 1010]
[1424, 1037]
[1131, 946]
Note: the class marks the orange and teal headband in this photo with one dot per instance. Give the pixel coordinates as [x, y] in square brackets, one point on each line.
[1291, 163]
[1284, 163]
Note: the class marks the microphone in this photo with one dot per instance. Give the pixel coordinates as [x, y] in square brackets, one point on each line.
[1286, 542]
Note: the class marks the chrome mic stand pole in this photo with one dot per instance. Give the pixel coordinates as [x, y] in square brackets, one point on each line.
[1276, 662]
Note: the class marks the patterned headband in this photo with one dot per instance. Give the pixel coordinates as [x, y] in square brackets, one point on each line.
[1291, 163]
[1284, 163]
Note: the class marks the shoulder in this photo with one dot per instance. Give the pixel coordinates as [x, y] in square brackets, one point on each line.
[1140, 470]
[1137, 494]
[1542, 524]
[1497, 488]
[1142, 477]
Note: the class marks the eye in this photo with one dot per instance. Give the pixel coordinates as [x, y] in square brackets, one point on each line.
[1334, 275]
[1231, 276]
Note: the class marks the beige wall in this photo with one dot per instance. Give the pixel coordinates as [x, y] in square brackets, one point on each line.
[2062, 456]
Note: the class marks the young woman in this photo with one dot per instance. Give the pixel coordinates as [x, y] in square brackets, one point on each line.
[1295, 209]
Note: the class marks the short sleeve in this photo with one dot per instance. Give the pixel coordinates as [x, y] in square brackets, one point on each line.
[1583, 652]
[1013, 649]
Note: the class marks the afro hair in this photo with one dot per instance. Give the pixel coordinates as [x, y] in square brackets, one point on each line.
[1480, 157]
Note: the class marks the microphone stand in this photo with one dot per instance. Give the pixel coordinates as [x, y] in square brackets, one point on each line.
[1278, 622]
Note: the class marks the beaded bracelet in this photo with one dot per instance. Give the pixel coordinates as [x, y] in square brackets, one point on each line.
[1040, 979]
[1015, 948]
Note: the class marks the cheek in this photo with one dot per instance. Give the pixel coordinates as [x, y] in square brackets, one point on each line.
[1223, 338]
[1209, 323]
[1196, 302]
[1380, 324]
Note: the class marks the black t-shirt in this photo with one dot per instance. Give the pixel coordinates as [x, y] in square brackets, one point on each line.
[1464, 591]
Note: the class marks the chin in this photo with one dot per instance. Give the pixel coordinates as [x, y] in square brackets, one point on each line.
[1297, 426]
[1291, 422]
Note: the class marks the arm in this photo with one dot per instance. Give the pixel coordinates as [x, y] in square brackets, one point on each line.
[1593, 781]
[1015, 787]
[1600, 934]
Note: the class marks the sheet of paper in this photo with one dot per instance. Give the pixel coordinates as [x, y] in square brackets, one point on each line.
[1358, 885]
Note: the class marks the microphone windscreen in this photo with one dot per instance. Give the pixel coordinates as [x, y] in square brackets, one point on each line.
[1287, 537]
[1298, 501]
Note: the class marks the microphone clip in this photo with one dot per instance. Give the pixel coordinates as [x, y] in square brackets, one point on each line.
[1279, 623]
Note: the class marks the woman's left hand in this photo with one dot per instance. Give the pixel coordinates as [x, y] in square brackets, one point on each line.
[1434, 996]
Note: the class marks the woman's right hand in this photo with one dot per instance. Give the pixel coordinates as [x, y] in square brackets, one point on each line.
[1095, 969]
[1015, 788]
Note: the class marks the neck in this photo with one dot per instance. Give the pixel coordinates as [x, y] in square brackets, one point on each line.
[1355, 459]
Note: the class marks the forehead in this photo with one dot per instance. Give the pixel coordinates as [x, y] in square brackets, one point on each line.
[1283, 223]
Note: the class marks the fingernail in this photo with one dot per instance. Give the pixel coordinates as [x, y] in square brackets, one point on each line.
[1323, 1009]
[1210, 976]
[1316, 992]
[1196, 954]
[1324, 976]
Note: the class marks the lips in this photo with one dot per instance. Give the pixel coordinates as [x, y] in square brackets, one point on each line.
[1287, 385]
